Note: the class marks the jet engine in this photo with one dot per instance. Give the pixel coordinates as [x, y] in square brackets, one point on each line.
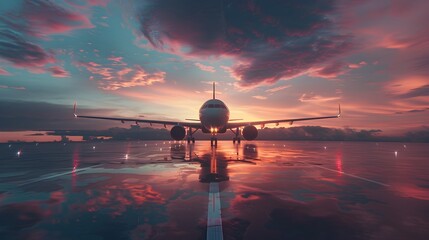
[250, 132]
[178, 132]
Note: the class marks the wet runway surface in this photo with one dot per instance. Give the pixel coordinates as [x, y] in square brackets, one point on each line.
[257, 190]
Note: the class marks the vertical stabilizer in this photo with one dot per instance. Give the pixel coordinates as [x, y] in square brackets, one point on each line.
[214, 91]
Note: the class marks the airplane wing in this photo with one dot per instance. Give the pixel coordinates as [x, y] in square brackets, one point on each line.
[194, 125]
[290, 120]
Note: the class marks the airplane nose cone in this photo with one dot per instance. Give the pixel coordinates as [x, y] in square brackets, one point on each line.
[214, 119]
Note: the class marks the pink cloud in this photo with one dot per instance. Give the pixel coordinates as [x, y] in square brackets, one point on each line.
[58, 71]
[93, 64]
[211, 91]
[332, 70]
[260, 97]
[230, 71]
[115, 59]
[139, 78]
[46, 18]
[312, 97]
[276, 89]
[396, 24]
[405, 85]
[205, 68]
[4, 72]
[112, 79]
[357, 65]
[124, 72]
[98, 2]
[95, 68]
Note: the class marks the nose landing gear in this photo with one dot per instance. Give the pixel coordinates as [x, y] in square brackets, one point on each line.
[213, 141]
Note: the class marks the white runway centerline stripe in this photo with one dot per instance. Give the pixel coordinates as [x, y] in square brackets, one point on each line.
[354, 176]
[214, 219]
[57, 175]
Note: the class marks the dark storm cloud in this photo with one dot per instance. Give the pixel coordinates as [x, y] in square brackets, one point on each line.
[36, 19]
[22, 53]
[272, 39]
[42, 17]
[290, 61]
[21, 116]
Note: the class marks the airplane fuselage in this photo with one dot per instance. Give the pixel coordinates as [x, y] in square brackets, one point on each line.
[214, 116]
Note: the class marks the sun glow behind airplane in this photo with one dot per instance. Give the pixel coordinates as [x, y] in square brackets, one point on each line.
[214, 119]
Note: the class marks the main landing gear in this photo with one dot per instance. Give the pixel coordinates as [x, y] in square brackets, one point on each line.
[237, 136]
[190, 138]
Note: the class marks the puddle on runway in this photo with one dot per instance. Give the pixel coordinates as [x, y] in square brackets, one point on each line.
[266, 190]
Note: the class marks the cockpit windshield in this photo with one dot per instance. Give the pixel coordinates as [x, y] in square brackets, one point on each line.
[210, 105]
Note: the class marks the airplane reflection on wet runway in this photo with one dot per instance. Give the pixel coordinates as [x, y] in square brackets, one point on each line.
[157, 190]
[214, 164]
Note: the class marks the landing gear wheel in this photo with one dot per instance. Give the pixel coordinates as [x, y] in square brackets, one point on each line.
[213, 142]
[191, 140]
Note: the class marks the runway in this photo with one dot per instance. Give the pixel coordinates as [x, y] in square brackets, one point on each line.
[255, 190]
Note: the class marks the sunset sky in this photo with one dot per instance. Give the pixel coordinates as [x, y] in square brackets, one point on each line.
[270, 60]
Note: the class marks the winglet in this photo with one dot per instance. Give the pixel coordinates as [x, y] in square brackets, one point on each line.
[74, 110]
[214, 90]
[339, 110]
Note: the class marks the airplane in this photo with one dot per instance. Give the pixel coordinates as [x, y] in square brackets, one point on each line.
[213, 119]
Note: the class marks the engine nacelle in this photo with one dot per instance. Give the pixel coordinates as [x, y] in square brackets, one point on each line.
[250, 132]
[178, 133]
